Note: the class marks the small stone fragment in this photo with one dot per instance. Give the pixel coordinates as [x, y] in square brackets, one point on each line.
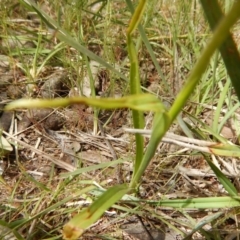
[55, 85]
[5, 120]
[14, 92]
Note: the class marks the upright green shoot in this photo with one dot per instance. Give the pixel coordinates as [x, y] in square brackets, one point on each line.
[135, 86]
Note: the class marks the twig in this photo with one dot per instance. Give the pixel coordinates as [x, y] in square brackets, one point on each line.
[118, 168]
[36, 146]
[186, 142]
[59, 163]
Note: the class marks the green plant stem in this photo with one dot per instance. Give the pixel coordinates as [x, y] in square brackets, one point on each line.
[150, 50]
[135, 86]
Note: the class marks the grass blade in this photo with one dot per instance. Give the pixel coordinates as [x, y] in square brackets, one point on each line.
[75, 227]
[140, 102]
[64, 36]
[200, 203]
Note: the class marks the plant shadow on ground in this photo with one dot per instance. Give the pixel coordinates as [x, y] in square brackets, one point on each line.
[37, 198]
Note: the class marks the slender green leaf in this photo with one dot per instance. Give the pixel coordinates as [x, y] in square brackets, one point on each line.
[140, 102]
[93, 168]
[206, 220]
[225, 150]
[76, 226]
[137, 15]
[7, 231]
[200, 203]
